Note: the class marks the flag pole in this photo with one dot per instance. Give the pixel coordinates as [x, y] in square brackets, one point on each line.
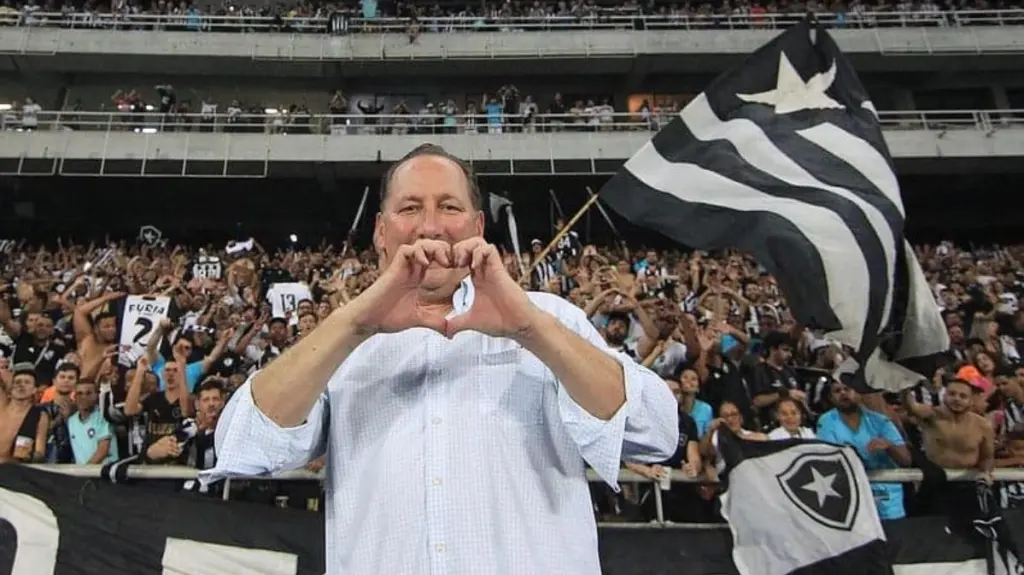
[355, 221]
[565, 229]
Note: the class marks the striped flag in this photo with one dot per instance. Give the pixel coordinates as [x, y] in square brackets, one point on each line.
[783, 158]
[499, 206]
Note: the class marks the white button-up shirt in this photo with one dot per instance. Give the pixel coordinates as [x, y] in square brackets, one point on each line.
[462, 456]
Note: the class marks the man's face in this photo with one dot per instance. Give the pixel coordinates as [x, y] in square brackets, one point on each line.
[307, 323]
[23, 387]
[959, 397]
[65, 381]
[171, 371]
[182, 348]
[211, 402]
[86, 397]
[44, 327]
[278, 332]
[844, 397]
[428, 198]
[106, 329]
[782, 354]
[31, 321]
[615, 331]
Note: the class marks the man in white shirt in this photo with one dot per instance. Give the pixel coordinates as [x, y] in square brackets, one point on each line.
[462, 410]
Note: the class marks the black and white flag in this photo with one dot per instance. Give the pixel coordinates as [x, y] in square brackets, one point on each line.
[499, 206]
[784, 158]
[800, 506]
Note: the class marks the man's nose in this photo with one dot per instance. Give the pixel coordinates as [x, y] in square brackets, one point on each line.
[429, 227]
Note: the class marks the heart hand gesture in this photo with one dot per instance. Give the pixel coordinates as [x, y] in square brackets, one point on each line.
[500, 307]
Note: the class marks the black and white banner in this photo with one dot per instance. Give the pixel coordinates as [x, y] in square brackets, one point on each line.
[51, 524]
[783, 158]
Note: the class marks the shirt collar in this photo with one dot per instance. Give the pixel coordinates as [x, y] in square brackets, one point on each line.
[462, 299]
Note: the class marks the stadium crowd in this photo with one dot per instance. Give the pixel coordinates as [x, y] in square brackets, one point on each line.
[413, 18]
[505, 110]
[129, 351]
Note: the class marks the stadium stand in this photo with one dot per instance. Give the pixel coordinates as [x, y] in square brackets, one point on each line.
[128, 328]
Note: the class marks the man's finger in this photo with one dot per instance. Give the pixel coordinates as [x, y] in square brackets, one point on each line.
[437, 251]
[438, 324]
[419, 256]
[478, 259]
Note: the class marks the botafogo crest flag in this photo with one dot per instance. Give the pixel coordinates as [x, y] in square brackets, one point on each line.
[798, 506]
[783, 158]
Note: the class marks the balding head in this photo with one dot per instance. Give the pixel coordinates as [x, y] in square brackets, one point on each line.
[427, 155]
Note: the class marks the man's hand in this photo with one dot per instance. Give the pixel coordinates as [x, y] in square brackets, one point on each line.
[690, 469]
[392, 303]
[877, 444]
[500, 308]
[165, 448]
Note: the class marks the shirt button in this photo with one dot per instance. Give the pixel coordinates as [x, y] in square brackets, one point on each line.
[439, 548]
[435, 420]
[435, 481]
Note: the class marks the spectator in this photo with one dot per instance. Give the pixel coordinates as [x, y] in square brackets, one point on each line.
[714, 326]
[875, 438]
[92, 439]
[24, 427]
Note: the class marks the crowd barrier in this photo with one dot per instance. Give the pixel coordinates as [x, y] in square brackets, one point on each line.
[604, 19]
[80, 526]
[273, 120]
[143, 472]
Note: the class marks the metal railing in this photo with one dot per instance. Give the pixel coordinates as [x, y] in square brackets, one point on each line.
[143, 472]
[275, 122]
[598, 19]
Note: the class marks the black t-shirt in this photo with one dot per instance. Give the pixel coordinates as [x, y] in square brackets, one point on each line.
[729, 383]
[161, 416]
[42, 355]
[228, 364]
[687, 433]
[768, 379]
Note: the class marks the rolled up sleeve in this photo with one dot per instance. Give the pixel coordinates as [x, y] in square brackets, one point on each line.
[645, 429]
[249, 444]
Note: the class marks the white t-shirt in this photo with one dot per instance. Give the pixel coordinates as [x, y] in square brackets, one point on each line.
[30, 115]
[670, 359]
[284, 298]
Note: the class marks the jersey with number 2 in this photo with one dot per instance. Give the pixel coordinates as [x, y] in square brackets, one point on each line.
[139, 317]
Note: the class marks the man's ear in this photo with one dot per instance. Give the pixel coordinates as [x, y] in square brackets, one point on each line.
[480, 222]
[378, 235]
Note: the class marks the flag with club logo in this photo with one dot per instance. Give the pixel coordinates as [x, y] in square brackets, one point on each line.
[151, 236]
[799, 506]
[783, 157]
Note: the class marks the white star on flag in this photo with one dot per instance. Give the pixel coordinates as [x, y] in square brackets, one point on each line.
[792, 94]
[821, 486]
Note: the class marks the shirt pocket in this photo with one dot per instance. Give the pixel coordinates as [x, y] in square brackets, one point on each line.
[508, 395]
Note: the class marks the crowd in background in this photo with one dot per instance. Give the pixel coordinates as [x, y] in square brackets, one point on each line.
[414, 18]
[505, 110]
[125, 350]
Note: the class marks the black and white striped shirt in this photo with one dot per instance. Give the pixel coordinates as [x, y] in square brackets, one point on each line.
[1011, 493]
